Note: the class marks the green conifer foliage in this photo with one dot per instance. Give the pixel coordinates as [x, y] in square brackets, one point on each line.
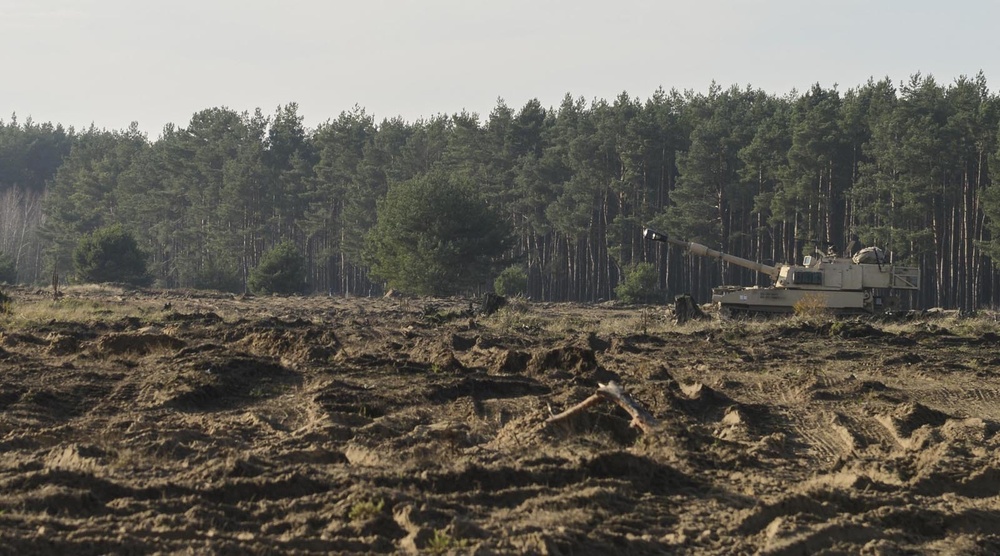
[281, 270]
[435, 236]
[111, 254]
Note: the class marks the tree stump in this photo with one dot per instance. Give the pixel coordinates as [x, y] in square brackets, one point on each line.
[491, 304]
[686, 309]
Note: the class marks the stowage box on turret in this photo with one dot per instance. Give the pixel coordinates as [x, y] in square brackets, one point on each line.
[862, 284]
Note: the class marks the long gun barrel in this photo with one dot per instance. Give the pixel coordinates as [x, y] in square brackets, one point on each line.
[699, 249]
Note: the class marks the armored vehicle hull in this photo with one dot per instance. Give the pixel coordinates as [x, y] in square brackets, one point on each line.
[736, 301]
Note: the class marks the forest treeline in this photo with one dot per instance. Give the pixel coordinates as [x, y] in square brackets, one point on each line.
[904, 166]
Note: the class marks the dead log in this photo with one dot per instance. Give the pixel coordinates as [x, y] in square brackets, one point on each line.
[612, 392]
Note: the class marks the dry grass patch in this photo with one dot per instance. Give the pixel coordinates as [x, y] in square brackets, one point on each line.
[812, 306]
[69, 309]
[515, 318]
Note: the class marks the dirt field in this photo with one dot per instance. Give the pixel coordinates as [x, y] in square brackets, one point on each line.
[184, 422]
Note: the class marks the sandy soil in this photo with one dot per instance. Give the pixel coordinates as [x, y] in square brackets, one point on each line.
[136, 422]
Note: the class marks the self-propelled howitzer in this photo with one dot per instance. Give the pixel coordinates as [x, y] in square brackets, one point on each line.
[864, 283]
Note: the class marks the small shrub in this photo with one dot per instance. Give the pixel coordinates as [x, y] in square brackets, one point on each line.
[365, 510]
[443, 543]
[512, 281]
[811, 306]
[282, 270]
[111, 254]
[639, 285]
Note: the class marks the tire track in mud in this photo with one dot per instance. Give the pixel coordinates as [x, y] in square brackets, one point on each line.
[979, 402]
[840, 422]
[820, 437]
[842, 502]
[832, 428]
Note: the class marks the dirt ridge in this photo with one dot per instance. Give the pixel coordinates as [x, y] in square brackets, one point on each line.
[266, 425]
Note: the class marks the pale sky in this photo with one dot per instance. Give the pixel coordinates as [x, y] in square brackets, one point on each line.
[111, 62]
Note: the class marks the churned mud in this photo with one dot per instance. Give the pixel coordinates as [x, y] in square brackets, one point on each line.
[137, 422]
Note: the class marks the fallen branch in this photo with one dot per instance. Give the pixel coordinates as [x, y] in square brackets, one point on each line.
[612, 392]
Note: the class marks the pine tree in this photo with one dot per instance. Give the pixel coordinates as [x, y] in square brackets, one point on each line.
[436, 236]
